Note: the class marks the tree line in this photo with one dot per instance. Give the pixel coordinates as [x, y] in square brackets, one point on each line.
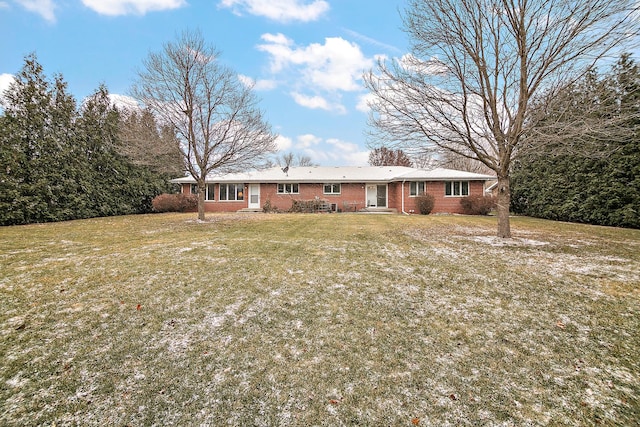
[63, 161]
[582, 173]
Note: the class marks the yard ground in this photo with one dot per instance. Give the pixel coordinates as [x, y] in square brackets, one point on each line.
[334, 319]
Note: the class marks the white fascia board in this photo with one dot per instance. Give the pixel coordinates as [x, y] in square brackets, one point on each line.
[441, 174]
[341, 174]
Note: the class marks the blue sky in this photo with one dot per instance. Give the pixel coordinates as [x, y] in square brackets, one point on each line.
[306, 57]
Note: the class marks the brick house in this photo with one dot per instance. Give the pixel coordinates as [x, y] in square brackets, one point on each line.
[341, 189]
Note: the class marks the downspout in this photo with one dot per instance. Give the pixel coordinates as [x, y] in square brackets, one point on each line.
[402, 189]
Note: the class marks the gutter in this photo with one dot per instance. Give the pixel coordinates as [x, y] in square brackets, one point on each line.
[402, 189]
[490, 188]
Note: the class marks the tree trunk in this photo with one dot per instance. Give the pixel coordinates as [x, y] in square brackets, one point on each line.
[201, 191]
[503, 205]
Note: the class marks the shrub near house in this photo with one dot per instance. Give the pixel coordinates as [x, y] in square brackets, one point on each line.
[425, 203]
[477, 205]
[174, 202]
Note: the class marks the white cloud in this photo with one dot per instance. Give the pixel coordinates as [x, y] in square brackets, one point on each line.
[258, 85]
[246, 80]
[337, 152]
[317, 102]
[280, 10]
[283, 143]
[317, 73]
[276, 38]
[264, 84]
[433, 66]
[335, 65]
[307, 140]
[371, 41]
[124, 101]
[327, 152]
[364, 102]
[348, 152]
[278, 46]
[125, 7]
[312, 102]
[5, 82]
[343, 146]
[44, 8]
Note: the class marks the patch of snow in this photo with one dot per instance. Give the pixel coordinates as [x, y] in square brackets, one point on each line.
[216, 320]
[514, 241]
[17, 381]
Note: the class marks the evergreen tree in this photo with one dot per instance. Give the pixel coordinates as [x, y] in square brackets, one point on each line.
[57, 163]
[117, 185]
[594, 180]
[11, 176]
[36, 126]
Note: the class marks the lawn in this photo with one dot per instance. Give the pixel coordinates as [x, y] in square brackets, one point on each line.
[327, 319]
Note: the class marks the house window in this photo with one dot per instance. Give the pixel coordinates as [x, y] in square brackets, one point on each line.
[231, 192]
[210, 193]
[332, 188]
[456, 188]
[288, 188]
[416, 188]
[194, 189]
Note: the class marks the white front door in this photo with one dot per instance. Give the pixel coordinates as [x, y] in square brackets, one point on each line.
[372, 196]
[376, 196]
[254, 196]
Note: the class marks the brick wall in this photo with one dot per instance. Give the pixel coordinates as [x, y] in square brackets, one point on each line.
[220, 206]
[442, 203]
[352, 197]
[451, 204]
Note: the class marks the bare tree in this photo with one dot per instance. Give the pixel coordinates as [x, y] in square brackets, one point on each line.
[587, 119]
[424, 160]
[476, 66]
[146, 143]
[383, 156]
[451, 160]
[213, 114]
[291, 160]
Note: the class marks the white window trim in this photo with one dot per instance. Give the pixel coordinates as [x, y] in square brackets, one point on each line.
[332, 192]
[418, 193]
[206, 193]
[285, 188]
[446, 183]
[235, 193]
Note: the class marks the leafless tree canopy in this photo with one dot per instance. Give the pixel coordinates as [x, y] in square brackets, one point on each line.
[383, 156]
[213, 114]
[291, 160]
[146, 143]
[476, 65]
[451, 160]
[586, 119]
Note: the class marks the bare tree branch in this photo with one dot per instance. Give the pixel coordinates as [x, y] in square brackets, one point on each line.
[290, 160]
[382, 156]
[213, 114]
[146, 143]
[477, 66]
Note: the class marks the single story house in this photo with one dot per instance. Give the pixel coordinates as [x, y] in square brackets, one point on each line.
[345, 189]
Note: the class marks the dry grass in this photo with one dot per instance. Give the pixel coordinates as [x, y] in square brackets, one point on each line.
[318, 320]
